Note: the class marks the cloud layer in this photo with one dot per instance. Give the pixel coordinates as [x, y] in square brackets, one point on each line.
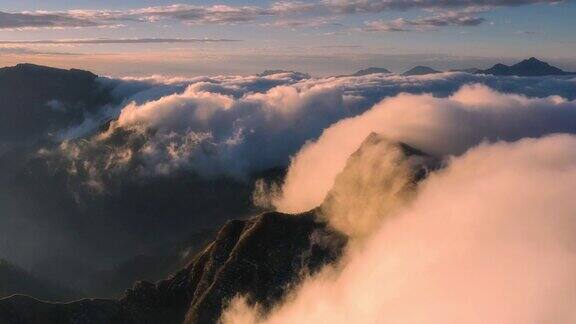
[166, 152]
[117, 41]
[237, 126]
[439, 126]
[488, 239]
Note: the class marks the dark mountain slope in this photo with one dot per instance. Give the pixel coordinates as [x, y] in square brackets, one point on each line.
[259, 258]
[36, 100]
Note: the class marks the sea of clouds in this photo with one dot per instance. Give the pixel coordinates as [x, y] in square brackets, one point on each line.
[487, 236]
[495, 206]
[235, 126]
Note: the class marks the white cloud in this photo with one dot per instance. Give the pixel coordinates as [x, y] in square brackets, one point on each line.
[438, 126]
[239, 126]
[488, 239]
[450, 18]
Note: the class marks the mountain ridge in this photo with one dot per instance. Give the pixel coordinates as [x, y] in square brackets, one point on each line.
[527, 67]
[420, 70]
[288, 245]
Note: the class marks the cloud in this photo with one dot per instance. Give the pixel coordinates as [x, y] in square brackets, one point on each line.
[298, 23]
[423, 24]
[375, 6]
[190, 14]
[167, 134]
[118, 41]
[229, 14]
[527, 32]
[24, 20]
[234, 126]
[20, 50]
[379, 178]
[488, 239]
[439, 126]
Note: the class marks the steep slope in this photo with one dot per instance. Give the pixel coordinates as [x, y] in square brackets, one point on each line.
[259, 257]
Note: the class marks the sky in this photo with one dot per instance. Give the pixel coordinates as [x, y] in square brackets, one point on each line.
[321, 37]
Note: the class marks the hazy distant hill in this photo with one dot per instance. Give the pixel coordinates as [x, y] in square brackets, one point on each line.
[420, 70]
[297, 75]
[15, 280]
[529, 67]
[371, 70]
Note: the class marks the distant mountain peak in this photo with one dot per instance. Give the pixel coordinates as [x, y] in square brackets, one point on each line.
[527, 67]
[298, 75]
[420, 70]
[371, 70]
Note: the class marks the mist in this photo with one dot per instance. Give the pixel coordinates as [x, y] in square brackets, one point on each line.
[488, 238]
[439, 126]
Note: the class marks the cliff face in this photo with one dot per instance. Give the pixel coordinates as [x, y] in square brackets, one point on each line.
[259, 258]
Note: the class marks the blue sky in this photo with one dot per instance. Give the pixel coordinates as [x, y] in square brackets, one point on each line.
[246, 36]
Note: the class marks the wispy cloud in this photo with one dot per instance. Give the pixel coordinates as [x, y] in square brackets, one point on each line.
[43, 20]
[118, 41]
[316, 22]
[190, 14]
[20, 50]
[354, 6]
[288, 13]
[450, 18]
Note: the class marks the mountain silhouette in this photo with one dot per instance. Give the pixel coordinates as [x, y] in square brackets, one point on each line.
[528, 67]
[420, 70]
[371, 70]
[37, 100]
